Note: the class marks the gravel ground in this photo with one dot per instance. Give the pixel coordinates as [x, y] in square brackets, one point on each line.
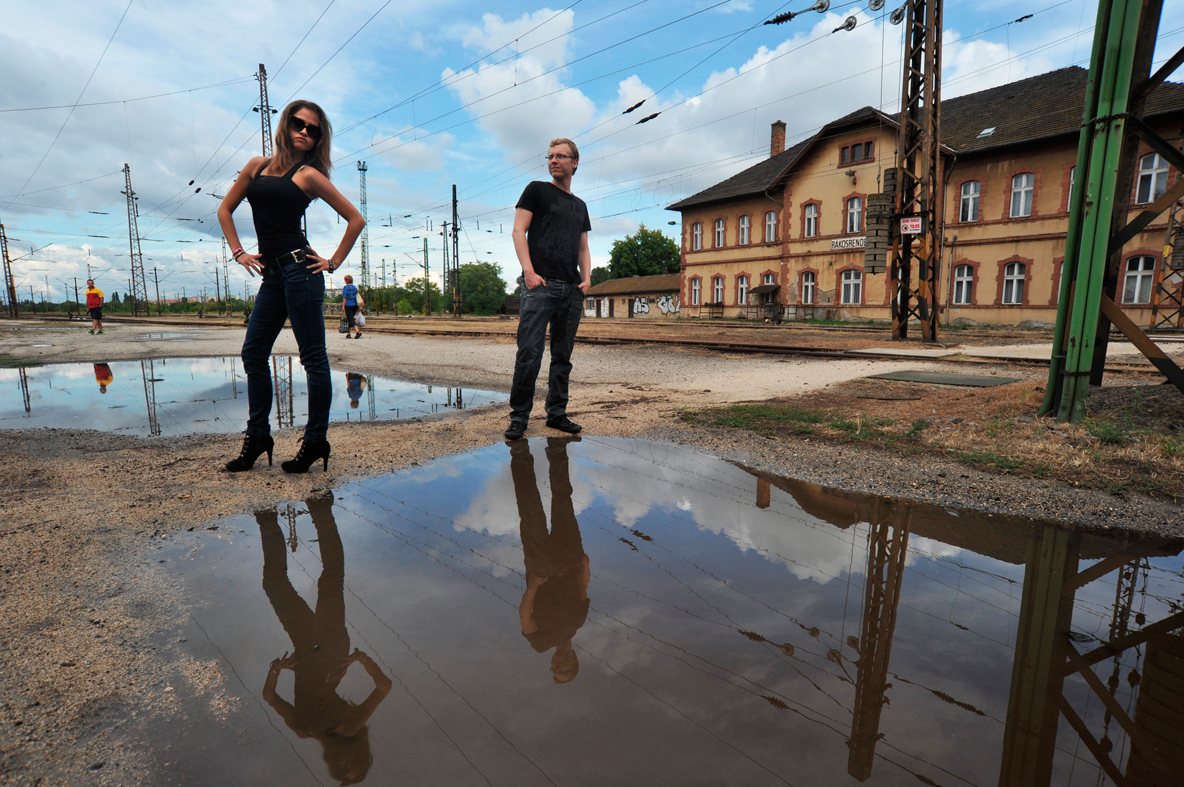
[88, 624]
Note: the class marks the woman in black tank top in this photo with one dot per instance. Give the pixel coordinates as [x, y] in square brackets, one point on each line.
[293, 282]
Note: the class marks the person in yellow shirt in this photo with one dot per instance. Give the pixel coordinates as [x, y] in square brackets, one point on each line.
[103, 376]
[94, 305]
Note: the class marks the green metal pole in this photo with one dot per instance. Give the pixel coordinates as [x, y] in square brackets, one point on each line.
[1052, 394]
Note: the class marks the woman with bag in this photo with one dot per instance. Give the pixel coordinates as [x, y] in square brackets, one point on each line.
[293, 282]
[349, 302]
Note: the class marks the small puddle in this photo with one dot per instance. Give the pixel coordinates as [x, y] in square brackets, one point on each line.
[185, 395]
[616, 612]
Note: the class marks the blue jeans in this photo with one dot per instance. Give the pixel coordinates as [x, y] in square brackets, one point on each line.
[291, 292]
[559, 304]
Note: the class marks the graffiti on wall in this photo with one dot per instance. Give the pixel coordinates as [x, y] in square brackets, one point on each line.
[641, 305]
[668, 304]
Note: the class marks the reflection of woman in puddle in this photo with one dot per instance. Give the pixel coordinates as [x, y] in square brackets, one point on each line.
[555, 603]
[321, 652]
[103, 376]
[354, 385]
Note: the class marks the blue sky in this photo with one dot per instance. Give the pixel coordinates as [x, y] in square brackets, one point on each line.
[432, 94]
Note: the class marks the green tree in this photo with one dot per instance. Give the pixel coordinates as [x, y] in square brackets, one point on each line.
[645, 253]
[412, 293]
[483, 290]
[600, 276]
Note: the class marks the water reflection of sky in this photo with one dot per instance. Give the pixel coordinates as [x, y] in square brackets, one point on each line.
[199, 395]
[720, 646]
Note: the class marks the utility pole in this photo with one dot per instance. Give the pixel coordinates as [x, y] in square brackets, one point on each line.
[14, 309]
[139, 287]
[156, 280]
[265, 111]
[218, 290]
[456, 295]
[427, 293]
[446, 263]
[76, 294]
[365, 229]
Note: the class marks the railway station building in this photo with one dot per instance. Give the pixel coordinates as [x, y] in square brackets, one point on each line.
[647, 297]
[790, 230]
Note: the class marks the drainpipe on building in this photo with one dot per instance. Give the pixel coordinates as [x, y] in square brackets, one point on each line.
[950, 283]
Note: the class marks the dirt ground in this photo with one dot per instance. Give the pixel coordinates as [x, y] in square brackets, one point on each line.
[88, 624]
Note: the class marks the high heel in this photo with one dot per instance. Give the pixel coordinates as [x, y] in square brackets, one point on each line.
[308, 454]
[253, 446]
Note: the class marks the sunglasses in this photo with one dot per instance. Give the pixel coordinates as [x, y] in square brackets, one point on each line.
[297, 125]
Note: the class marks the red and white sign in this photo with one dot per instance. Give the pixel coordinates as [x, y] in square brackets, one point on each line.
[910, 225]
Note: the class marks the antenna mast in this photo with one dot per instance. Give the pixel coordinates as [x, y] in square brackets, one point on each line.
[265, 111]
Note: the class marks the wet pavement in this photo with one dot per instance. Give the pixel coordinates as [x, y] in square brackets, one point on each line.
[185, 395]
[618, 612]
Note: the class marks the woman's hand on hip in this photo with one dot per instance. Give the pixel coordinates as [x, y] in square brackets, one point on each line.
[320, 264]
[250, 262]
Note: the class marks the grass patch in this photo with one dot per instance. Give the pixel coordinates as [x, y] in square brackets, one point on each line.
[1109, 432]
[994, 459]
[918, 428]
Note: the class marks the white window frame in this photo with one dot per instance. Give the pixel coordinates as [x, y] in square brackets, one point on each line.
[745, 226]
[852, 288]
[717, 289]
[968, 209]
[1023, 191]
[771, 227]
[696, 236]
[696, 291]
[1153, 178]
[854, 215]
[1072, 182]
[720, 237]
[809, 281]
[1014, 277]
[963, 284]
[768, 279]
[811, 221]
[742, 290]
[1137, 280]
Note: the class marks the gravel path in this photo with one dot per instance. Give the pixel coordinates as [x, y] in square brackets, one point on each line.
[88, 628]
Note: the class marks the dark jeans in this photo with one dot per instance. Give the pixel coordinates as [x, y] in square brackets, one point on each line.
[291, 292]
[350, 314]
[559, 304]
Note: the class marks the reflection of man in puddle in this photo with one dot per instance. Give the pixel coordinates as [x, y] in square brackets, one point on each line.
[355, 384]
[555, 603]
[321, 653]
[103, 376]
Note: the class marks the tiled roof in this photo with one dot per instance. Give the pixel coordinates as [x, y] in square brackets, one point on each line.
[1040, 107]
[665, 282]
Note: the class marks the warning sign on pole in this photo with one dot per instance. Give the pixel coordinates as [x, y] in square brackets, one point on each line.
[911, 225]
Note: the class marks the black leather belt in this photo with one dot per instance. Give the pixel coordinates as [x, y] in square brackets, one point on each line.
[287, 258]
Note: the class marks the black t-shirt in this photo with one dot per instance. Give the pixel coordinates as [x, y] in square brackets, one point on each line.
[553, 237]
[559, 612]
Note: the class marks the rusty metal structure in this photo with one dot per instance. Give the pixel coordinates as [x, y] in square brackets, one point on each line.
[14, 309]
[1167, 297]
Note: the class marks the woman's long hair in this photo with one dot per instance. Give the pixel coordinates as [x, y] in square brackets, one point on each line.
[318, 158]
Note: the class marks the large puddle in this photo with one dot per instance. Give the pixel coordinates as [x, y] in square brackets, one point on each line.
[185, 395]
[613, 612]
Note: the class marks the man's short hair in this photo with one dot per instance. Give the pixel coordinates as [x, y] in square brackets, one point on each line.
[575, 152]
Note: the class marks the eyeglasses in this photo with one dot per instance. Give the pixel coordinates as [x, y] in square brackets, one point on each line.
[559, 156]
[297, 125]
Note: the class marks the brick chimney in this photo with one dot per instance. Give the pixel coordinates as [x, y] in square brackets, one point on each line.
[777, 144]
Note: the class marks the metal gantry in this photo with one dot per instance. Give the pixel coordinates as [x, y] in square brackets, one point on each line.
[265, 111]
[1119, 82]
[918, 171]
[1167, 298]
[281, 369]
[147, 372]
[365, 283]
[14, 309]
[139, 282]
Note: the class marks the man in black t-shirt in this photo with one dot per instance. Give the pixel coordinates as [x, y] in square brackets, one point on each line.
[551, 228]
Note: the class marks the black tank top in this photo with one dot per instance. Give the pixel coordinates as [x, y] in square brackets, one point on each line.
[277, 204]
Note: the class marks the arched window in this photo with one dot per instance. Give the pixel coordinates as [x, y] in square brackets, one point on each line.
[855, 214]
[771, 226]
[1013, 283]
[717, 289]
[1023, 186]
[745, 224]
[811, 228]
[768, 279]
[852, 287]
[971, 190]
[719, 233]
[808, 288]
[1137, 284]
[1153, 178]
[963, 282]
[696, 291]
[696, 236]
[742, 290]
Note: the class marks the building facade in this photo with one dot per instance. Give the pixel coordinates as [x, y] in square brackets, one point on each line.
[644, 297]
[796, 220]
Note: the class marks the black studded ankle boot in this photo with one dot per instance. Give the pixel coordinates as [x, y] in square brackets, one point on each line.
[306, 456]
[253, 446]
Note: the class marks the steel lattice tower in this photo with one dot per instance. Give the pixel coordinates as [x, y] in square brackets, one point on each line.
[14, 309]
[1167, 298]
[282, 382]
[917, 172]
[148, 373]
[365, 229]
[264, 110]
[139, 283]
